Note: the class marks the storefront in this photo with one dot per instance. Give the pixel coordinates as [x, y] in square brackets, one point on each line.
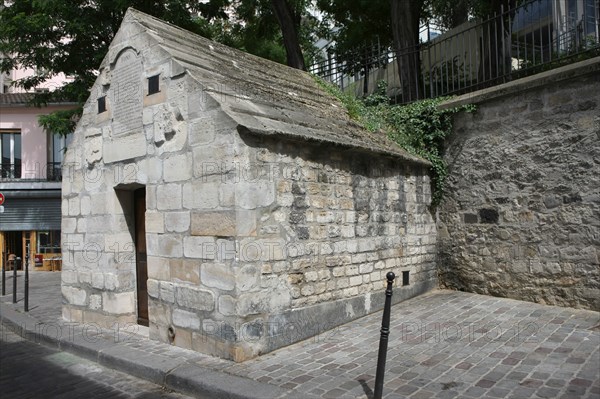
[31, 220]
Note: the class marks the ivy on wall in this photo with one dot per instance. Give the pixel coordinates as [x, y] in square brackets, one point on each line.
[420, 127]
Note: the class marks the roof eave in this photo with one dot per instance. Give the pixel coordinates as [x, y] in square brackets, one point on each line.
[406, 157]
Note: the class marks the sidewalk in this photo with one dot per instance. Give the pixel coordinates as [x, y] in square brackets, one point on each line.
[444, 344]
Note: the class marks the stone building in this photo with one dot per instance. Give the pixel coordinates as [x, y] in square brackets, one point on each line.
[229, 202]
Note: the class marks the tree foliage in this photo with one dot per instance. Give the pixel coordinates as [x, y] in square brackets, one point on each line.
[56, 36]
[389, 23]
[255, 27]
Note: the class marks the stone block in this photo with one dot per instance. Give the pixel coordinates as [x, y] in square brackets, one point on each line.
[68, 277]
[311, 276]
[69, 225]
[202, 130]
[185, 270]
[93, 150]
[263, 302]
[118, 243]
[265, 250]
[356, 280]
[252, 195]
[227, 305]
[158, 268]
[200, 247]
[217, 275]
[177, 168]
[74, 295]
[212, 159]
[184, 319]
[227, 195]
[166, 291]
[73, 207]
[307, 290]
[124, 148]
[95, 302]
[155, 222]
[201, 195]
[168, 197]
[98, 280]
[245, 223]
[168, 246]
[194, 298]
[118, 303]
[214, 223]
[177, 222]
[152, 286]
[247, 277]
[154, 169]
[366, 268]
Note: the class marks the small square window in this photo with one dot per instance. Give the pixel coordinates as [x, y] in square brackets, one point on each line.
[101, 104]
[153, 84]
[405, 278]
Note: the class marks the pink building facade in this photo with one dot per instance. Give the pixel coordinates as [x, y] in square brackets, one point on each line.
[30, 181]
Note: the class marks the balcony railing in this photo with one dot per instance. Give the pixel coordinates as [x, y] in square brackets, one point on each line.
[51, 171]
[10, 171]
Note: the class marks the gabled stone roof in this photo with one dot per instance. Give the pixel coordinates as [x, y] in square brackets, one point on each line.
[262, 96]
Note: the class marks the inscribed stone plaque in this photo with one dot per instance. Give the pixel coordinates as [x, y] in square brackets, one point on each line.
[127, 94]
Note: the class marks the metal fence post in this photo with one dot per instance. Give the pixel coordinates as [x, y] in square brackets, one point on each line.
[26, 302]
[383, 341]
[15, 262]
[4, 276]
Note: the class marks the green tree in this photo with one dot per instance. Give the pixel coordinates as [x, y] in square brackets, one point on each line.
[54, 36]
[356, 23]
[279, 30]
[406, 18]
[450, 14]
[289, 20]
[359, 28]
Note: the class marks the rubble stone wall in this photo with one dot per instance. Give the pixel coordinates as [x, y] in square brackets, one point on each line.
[521, 216]
[339, 222]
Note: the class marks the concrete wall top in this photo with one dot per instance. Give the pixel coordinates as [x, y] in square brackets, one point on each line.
[581, 68]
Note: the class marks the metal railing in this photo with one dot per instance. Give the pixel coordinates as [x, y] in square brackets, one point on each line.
[521, 41]
[52, 171]
[10, 170]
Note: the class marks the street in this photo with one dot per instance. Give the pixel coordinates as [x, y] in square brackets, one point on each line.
[30, 370]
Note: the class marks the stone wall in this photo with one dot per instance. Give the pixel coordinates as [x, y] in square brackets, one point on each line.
[521, 217]
[340, 221]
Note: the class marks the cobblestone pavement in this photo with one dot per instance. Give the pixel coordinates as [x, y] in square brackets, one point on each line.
[443, 344]
[448, 344]
[29, 370]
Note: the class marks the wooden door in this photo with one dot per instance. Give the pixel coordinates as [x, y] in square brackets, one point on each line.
[139, 205]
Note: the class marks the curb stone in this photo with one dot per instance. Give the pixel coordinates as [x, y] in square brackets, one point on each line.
[170, 373]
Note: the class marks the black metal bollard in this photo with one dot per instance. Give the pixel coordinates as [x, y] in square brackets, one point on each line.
[26, 301]
[4, 277]
[383, 341]
[15, 262]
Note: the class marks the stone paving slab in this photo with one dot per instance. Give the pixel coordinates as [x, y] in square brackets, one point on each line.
[444, 344]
